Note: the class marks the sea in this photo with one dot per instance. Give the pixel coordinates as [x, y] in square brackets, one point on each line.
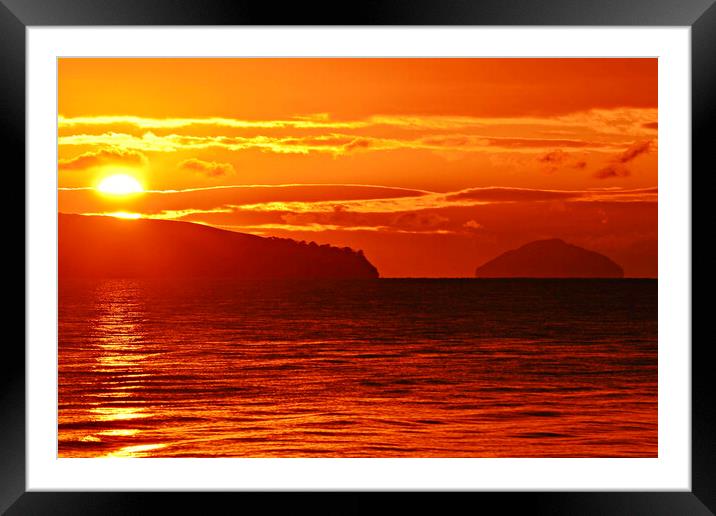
[358, 368]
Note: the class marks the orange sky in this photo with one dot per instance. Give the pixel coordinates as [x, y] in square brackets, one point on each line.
[431, 166]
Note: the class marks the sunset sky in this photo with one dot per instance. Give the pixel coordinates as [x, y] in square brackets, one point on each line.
[430, 166]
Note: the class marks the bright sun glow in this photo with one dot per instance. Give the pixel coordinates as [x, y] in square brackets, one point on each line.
[120, 184]
[124, 215]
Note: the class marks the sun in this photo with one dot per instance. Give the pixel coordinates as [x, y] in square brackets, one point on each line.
[120, 184]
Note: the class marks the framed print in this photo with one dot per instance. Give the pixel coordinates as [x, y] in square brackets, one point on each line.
[426, 248]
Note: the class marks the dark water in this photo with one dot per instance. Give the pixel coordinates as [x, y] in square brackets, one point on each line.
[378, 368]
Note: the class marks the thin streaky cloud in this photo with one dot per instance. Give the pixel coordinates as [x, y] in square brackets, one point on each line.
[602, 120]
[164, 214]
[176, 123]
[315, 227]
[335, 144]
[281, 185]
[399, 211]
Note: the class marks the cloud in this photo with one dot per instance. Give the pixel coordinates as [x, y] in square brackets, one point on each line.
[334, 143]
[318, 121]
[605, 121]
[417, 220]
[494, 195]
[555, 157]
[103, 157]
[553, 160]
[320, 228]
[504, 194]
[537, 143]
[340, 217]
[308, 227]
[609, 131]
[634, 151]
[415, 213]
[164, 214]
[207, 168]
[612, 170]
[254, 198]
[617, 167]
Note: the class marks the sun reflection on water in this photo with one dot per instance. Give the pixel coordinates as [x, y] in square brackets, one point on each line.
[121, 432]
[118, 335]
[118, 413]
[213, 372]
[135, 451]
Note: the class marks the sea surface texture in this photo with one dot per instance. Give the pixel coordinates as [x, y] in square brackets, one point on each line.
[365, 368]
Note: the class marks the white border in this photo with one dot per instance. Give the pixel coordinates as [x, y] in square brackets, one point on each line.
[670, 471]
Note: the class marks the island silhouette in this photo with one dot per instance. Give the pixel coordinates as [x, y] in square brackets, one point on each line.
[110, 247]
[551, 258]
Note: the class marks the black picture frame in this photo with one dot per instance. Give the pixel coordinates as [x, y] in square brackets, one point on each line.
[700, 15]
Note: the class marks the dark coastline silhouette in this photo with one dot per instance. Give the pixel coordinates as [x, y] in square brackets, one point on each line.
[552, 258]
[108, 247]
